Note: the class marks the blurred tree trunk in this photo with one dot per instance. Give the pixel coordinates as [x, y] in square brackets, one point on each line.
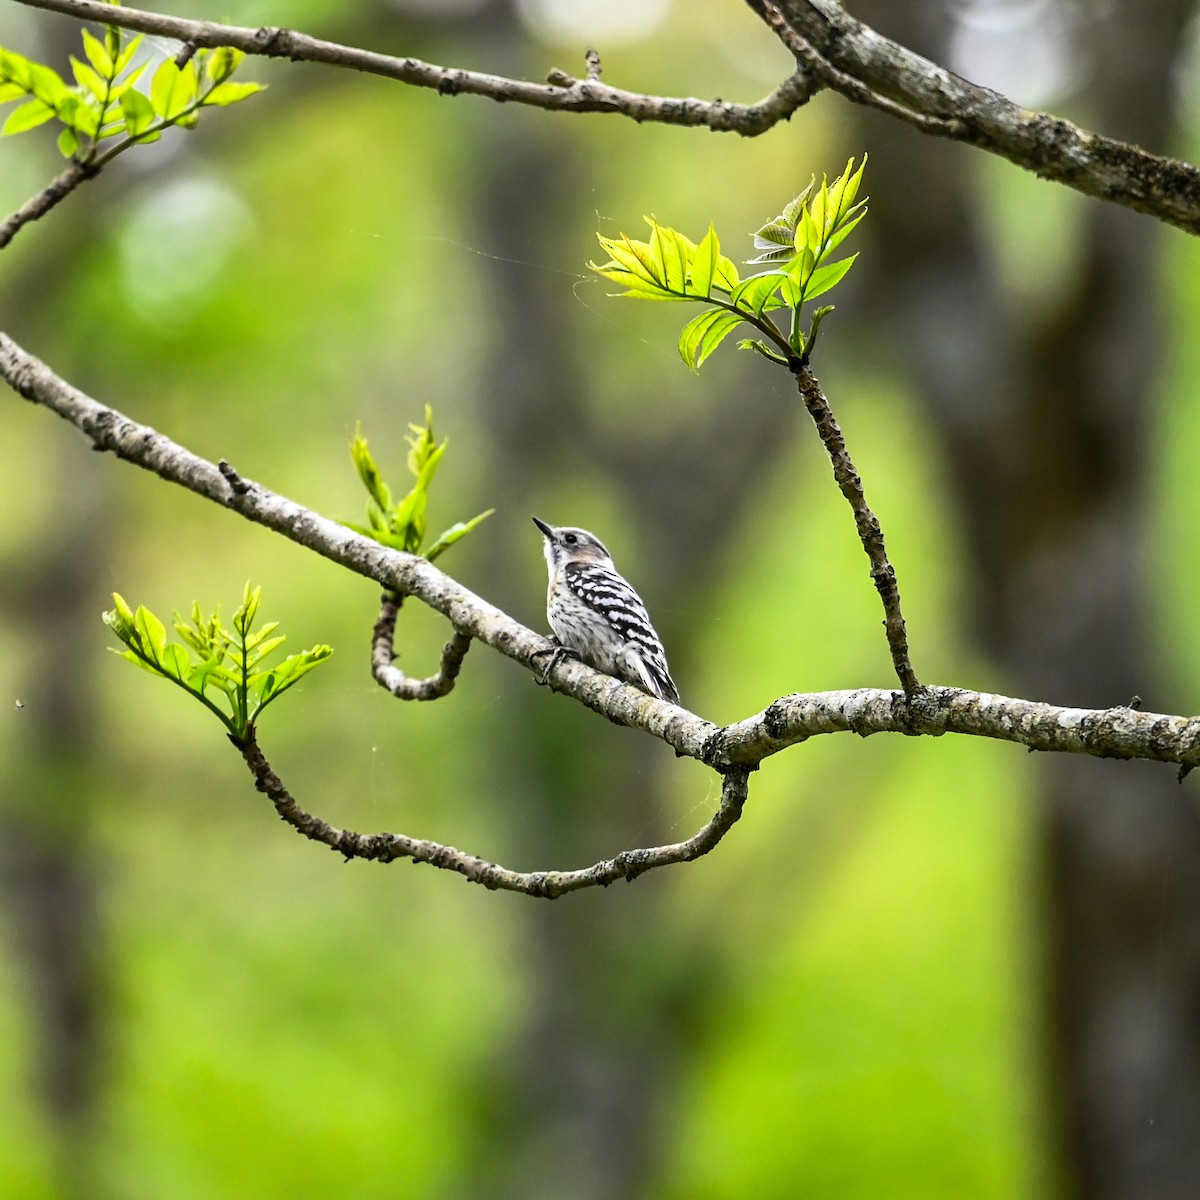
[46, 869]
[1044, 411]
[579, 1100]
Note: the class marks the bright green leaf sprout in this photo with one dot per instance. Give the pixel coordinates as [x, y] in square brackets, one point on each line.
[797, 245]
[403, 525]
[224, 670]
[105, 104]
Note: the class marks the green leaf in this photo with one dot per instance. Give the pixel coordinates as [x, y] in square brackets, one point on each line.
[47, 85]
[368, 472]
[173, 89]
[230, 93]
[636, 265]
[138, 111]
[87, 78]
[98, 55]
[777, 238]
[383, 536]
[68, 142]
[72, 112]
[702, 335]
[288, 674]
[176, 663]
[808, 235]
[201, 674]
[15, 68]
[455, 533]
[120, 618]
[704, 264]
[112, 44]
[248, 609]
[819, 213]
[150, 632]
[755, 292]
[635, 286]
[119, 89]
[125, 56]
[222, 63]
[11, 91]
[137, 660]
[829, 276]
[29, 115]
[670, 248]
[845, 189]
[763, 349]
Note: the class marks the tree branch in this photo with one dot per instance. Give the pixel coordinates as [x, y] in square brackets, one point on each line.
[563, 94]
[1119, 732]
[867, 68]
[61, 186]
[832, 50]
[883, 575]
[391, 678]
[386, 847]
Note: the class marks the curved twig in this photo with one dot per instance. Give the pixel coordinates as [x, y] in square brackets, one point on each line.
[391, 678]
[387, 847]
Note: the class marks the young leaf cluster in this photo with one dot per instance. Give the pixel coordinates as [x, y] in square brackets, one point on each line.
[105, 112]
[223, 669]
[403, 524]
[797, 247]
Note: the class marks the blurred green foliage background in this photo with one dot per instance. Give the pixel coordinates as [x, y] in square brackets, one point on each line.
[842, 1001]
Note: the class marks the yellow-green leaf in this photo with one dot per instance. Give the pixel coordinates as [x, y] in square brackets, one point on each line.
[29, 115]
[98, 55]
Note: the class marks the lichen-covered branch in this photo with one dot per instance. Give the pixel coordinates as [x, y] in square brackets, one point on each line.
[1118, 732]
[383, 655]
[869, 532]
[563, 94]
[387, 847]
[849, 57]
[832, 49]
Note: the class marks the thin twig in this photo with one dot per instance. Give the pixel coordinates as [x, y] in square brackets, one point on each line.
[869, 532]
[588, 95]
[387, 847]
[391, 678]
[63, 184]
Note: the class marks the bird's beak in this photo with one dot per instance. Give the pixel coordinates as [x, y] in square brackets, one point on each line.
[548, 530]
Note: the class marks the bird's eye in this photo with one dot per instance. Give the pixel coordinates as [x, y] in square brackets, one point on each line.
[570, 539]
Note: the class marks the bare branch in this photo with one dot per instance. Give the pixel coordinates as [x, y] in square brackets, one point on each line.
[393, 570]
[1120, 732]
[387, 847]
[869, 532]
[564, 94]
[391, 678]
[867, 68]
[61, 186]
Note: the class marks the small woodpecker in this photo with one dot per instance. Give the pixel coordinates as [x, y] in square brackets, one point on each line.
[597, 615]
